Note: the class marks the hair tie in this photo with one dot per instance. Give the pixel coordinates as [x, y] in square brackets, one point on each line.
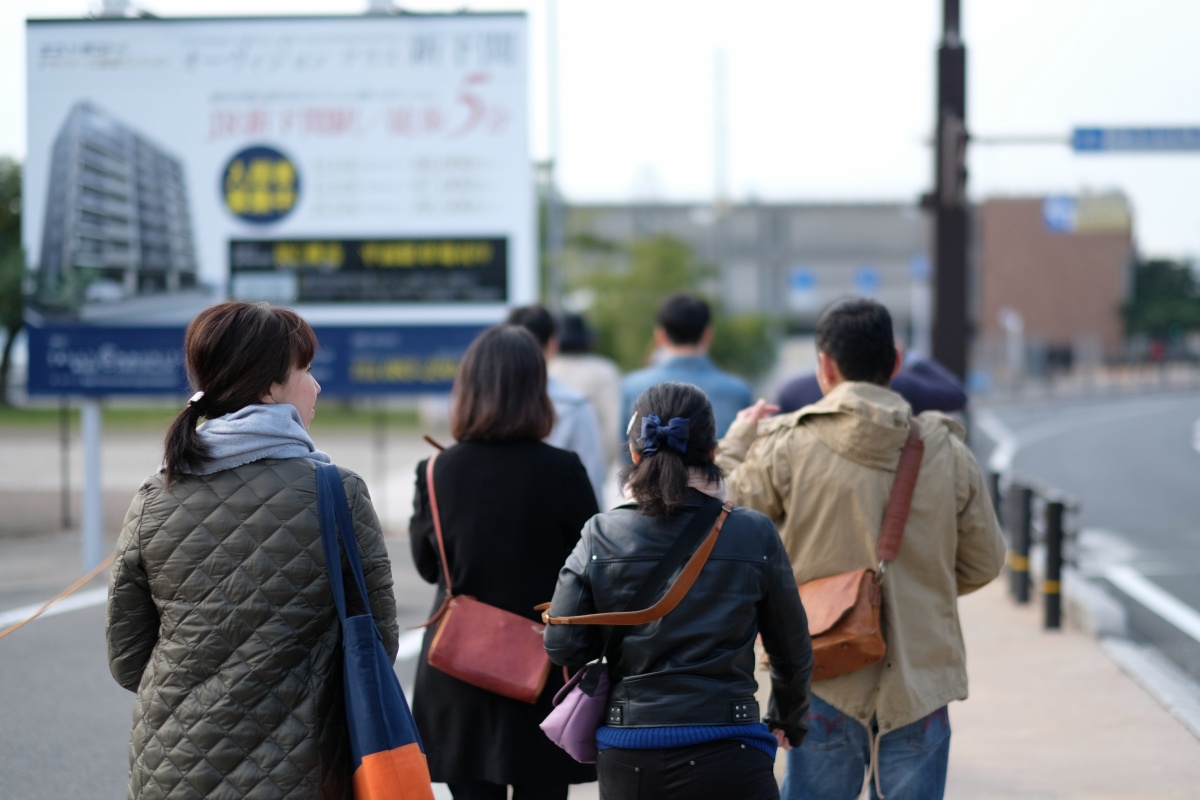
[653, 431]
[196, 398]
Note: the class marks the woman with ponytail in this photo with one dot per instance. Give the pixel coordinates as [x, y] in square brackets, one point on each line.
[682, 719]
[220, 613]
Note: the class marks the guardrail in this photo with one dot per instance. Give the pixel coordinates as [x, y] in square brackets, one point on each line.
[1033, 513]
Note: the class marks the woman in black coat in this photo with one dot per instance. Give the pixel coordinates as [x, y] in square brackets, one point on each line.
[511, 509]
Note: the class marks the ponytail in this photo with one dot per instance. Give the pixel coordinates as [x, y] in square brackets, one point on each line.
[183, 446]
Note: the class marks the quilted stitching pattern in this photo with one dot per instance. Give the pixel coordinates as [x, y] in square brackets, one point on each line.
[221, 619]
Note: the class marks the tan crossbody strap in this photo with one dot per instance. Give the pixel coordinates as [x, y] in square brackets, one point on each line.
[896, 515]
[437, 522]
[668, 601]
[437, 528]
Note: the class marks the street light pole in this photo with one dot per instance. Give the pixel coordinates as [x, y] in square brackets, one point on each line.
[950, 210]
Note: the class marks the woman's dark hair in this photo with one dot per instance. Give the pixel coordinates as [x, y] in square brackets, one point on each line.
[659, 481]
[234, 351]
[500, 389]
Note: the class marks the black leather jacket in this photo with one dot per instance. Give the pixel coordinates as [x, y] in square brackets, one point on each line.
[694, 666]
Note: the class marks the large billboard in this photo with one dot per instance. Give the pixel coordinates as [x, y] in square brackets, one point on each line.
[372, 172]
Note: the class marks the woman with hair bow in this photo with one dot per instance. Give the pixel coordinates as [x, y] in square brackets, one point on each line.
[682, 720]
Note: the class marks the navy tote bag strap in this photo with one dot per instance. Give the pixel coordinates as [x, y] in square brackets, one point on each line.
[337, 525]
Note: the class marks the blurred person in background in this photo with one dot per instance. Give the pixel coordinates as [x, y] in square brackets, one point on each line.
[511, 508]
[220, 613]
[596, 376]
[682, 721]
[683, 331]
[576, 426]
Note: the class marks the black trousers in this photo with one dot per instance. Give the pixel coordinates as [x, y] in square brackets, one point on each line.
[722, 770]
[482, 790]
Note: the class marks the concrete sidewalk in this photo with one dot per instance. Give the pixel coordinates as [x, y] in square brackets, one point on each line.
[1050, 714]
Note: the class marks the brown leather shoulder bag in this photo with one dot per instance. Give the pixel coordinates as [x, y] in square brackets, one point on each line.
[481, 644]
[844, 610]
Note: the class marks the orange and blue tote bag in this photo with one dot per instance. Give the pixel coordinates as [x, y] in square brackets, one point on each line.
[389, 762]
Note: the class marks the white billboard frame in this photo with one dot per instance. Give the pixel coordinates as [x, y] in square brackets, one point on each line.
[407, 136]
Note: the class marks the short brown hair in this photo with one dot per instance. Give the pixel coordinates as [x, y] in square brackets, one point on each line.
[500, 389]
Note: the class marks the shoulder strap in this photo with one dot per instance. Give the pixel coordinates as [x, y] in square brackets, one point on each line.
[662, 571]
[437, 529]
[900, 500]
[437, 522]
[337, 535]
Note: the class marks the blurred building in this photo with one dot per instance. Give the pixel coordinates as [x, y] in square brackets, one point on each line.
[1053, 271]
[788, 260]
[117, 223]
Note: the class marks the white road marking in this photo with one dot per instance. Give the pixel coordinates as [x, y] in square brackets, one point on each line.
[410, 641]
[410, 645]
[93, 597]
[1196, 435]
[1004, 439]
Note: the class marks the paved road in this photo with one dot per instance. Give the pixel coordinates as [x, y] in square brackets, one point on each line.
[1133, 464]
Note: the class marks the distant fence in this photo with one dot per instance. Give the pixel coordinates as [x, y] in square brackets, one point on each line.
[1033, 513]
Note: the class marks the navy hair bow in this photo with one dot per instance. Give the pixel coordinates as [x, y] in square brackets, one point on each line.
[653, 432]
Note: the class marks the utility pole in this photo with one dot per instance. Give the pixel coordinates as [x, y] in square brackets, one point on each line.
[951, 332]
[555, 238]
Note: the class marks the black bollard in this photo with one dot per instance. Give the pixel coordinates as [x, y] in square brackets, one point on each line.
[1052, 586]
[997, 499]
[1019, 513]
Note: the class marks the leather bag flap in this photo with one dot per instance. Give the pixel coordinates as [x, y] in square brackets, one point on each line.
[827, 600]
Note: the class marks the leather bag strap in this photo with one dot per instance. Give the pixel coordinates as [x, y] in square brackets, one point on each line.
[673, 596]
[437, 522]
[437, 529]
[900, 500]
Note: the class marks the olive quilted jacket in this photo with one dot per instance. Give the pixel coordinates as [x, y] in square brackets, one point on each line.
[220, 618]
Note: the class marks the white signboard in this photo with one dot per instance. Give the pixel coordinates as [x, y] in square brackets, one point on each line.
[367, 170]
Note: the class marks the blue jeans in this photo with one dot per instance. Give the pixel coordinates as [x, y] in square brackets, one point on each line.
[832, 761]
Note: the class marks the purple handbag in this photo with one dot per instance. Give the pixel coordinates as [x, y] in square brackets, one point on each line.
[580, 705]
[578, 708]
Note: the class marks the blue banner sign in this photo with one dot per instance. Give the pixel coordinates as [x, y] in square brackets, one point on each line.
[97, 361]
[1098, 140]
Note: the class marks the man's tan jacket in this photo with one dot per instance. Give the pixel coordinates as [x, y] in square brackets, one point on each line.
[824, 474]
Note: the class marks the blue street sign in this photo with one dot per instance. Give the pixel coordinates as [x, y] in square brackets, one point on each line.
[1060, 214]
[919, 268]
[1098, 140]
[801, 279]
[866, 280]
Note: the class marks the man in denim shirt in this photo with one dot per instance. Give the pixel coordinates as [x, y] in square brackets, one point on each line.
[684, 332]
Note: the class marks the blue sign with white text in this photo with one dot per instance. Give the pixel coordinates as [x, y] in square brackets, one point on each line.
[101, 361]
[1098, 140]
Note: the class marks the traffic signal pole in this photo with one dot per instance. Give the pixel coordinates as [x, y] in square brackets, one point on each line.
[951, 331]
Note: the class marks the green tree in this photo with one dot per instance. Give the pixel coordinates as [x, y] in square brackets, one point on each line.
[12, 266]
[1165, 301]
[626, 293]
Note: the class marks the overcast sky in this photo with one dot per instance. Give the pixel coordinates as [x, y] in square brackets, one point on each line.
[825, 101]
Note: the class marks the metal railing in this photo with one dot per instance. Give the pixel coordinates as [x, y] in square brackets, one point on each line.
[1033, 513]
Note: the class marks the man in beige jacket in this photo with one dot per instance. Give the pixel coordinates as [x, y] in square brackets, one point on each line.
[824, 474]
